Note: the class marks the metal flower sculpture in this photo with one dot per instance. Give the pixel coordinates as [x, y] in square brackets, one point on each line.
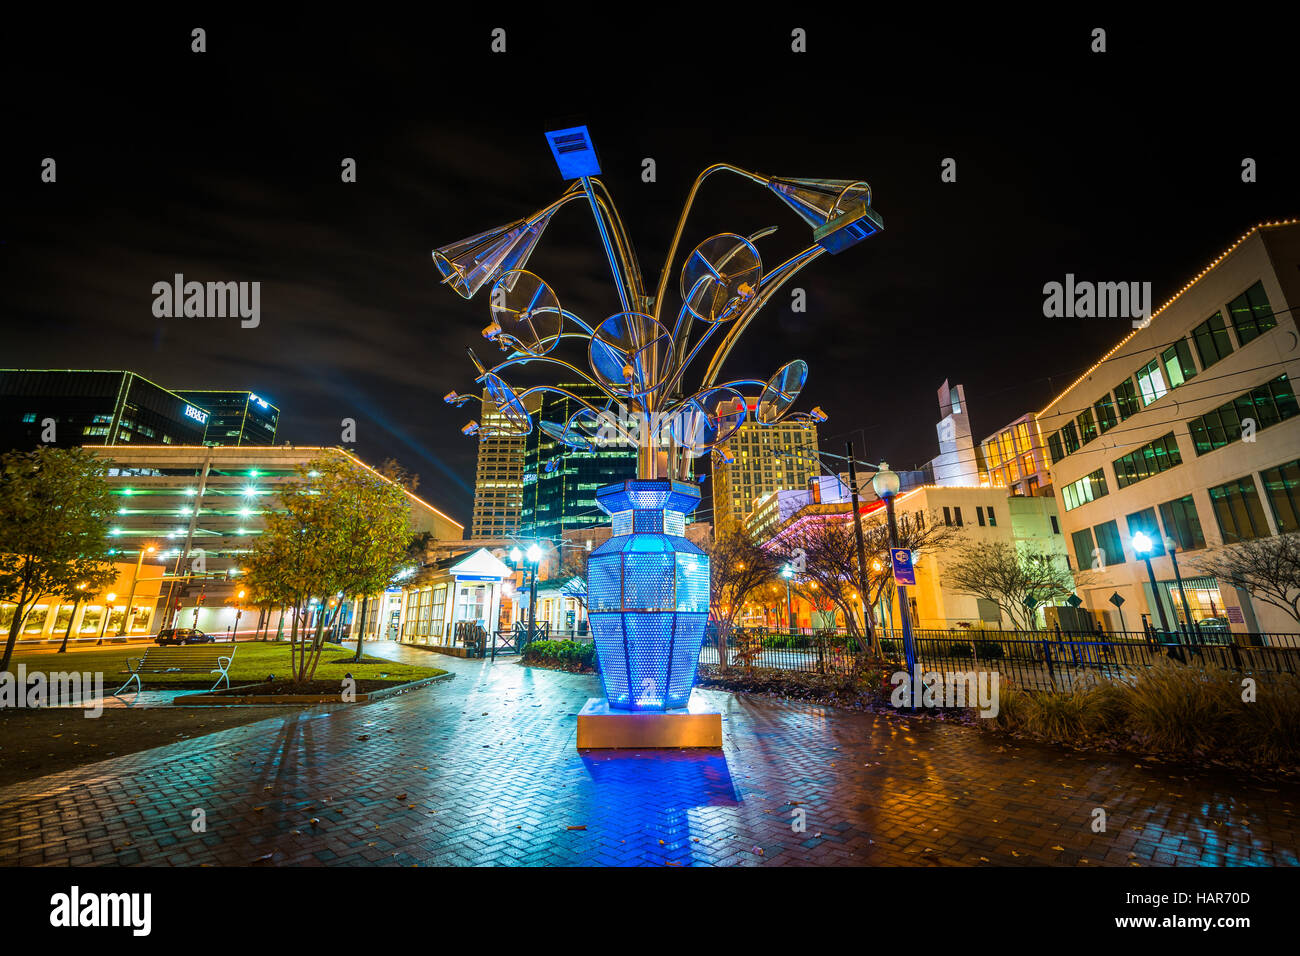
[648, 587]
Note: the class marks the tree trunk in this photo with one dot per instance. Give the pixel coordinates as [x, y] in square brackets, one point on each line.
[15, 626]
[724, 631]
[361, 631]
[63, 648]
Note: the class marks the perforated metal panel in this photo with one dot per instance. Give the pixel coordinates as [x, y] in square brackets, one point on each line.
[648, 596]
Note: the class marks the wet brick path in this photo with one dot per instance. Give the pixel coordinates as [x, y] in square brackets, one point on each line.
[482, 769]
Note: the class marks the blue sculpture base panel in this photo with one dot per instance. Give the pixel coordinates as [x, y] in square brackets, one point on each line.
[648, 595]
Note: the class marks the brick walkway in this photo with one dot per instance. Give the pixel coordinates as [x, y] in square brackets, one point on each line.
[482, 770]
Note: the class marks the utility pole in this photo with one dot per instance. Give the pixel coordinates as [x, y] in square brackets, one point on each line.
[862, 548]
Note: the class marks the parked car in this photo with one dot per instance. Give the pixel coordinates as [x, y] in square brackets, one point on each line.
[182, 635]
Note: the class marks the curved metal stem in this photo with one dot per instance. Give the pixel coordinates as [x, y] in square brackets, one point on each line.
[555, 389]
[525, 359]
[770, 283]
[681, 223]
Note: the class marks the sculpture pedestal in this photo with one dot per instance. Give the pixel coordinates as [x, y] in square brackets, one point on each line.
[600, 727]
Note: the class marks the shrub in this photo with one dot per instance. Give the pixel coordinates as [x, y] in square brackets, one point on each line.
[989, 650]
[568, 653]
[1169, 708]
[961, 651]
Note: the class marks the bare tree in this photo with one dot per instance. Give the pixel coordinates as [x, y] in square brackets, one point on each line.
[828, 552]
[739, 567]
[1000, 572]
[1268, 568]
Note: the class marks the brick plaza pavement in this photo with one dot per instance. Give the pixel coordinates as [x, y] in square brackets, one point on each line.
[482, 769]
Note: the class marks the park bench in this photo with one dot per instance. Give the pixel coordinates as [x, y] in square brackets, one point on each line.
[187, 659]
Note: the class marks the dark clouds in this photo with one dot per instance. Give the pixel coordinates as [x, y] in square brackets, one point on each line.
[225, 166]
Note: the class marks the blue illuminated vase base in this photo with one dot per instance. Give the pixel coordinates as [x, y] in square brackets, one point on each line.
[648, 595]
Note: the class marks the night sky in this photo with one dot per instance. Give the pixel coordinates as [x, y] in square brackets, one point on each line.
[1123, 166]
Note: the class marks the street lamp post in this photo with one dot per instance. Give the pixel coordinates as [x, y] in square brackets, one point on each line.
[886, 484]
[130, 598]
[787, 572]
[1192, 628]
[534, 555]
[1142, 548]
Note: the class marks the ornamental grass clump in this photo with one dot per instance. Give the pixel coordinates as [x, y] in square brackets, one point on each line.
[1170, 709]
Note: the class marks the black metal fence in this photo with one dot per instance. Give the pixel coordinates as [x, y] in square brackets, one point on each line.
[1045, 660]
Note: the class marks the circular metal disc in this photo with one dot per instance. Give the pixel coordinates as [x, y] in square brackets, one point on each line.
[508, 403]
[781, 392]
[527, 310]
[708, 418]
[630, 354]
[565, 436]
[720, 277]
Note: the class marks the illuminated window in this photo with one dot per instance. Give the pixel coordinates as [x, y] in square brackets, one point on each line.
[1251, 314]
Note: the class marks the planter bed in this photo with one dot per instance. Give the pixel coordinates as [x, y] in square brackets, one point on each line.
[315, 692]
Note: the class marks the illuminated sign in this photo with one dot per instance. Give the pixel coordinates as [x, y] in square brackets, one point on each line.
[197, 414]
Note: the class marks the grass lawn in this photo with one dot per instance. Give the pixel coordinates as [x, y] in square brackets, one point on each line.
[254, 661]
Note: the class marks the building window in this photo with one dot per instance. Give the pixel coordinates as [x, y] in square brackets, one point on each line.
[1126, 401]
[1083, 546]
[947, 516]
[1087, 427]
[1070, 438]
[1212, 342]
[956, 512]
[1151, 459]
[1266, 405]
[1282, 488]
[1088, 488]
[1251, 314]
[1054, 447]
[1151, 382]
[1144, 522]
[1056, 525]
[979, 515]
[1237, 508]
[1108, 540]
[993, 519]
[1182, 523]
[1177, 360]
[1105, 410]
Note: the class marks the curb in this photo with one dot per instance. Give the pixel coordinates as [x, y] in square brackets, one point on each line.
[204, 700]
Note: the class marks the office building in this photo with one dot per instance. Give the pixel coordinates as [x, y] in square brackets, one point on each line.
[1013, 458]
[1188, 431]
[756, 461]
[201, 508]
[235, 417]
[559, 483]
[66, 408]
[499, 473]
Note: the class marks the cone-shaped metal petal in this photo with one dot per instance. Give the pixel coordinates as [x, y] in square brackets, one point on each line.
[470, 263]
[817, 200]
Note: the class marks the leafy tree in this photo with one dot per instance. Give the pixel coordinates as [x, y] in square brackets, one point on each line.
[54, 512]
[1267, 568]
[999, 571]
[739, 567]
[340, 529]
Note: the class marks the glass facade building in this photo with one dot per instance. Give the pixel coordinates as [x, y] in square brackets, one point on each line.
[68, 408]
[560, 483]
[237, 417]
